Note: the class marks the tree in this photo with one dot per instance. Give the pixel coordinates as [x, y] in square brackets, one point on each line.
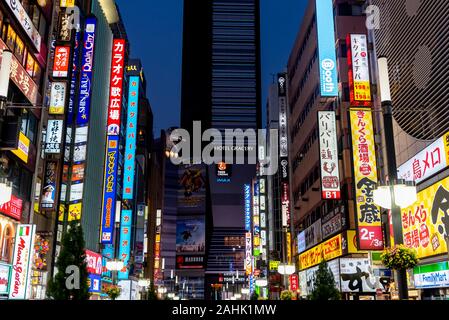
[152, 295]
[254, 296]
[71, 280]
[324, 285]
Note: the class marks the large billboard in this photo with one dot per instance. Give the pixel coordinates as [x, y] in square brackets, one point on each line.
[356, 275]
[21, 266]
[425, 224]
[428, 162]
[369, 223]
[109, 190]
[116, 86]
[131, 138]
[358, 70]
[190, 235]
[326, 48]
[125, 242]
[330, 175]
[192, 189]
[328, 250]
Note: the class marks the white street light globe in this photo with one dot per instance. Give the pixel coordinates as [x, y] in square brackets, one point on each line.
[286, 269]
[171, 295]
[245, 291]
[114, 265]
[237, 295]
[405, 196]
[261, 282]
[382, 197]
[144, 283]
[384, 79]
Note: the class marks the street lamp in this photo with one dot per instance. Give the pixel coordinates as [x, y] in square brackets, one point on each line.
[397, 193]
[114, 266]
[286, 270]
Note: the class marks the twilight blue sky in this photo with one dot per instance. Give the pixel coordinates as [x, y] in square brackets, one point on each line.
[154, 29]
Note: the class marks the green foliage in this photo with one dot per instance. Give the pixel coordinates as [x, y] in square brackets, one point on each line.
[113, 292]
[324, 285]
[254, 296]
[399, 257]
[72, 254]
[286, 295]
[152, 295]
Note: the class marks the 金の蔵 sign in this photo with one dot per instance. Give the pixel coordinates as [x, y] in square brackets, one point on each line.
[369, 224]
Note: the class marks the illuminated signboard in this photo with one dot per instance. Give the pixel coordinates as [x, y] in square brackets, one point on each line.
[125, 242]
[330, 176]
[369, 224]
[358, 69]
[428, 162]
[285, 200]
[53, 143]
[109, 190]
[87, 64]
[116, 86]
[283, 134]
[61, 62]
[22, 260]
[73, 82]
[328, 250]
[131, 132]
[248, 253]
[23, 148]
[26, 22]
[247, 190]
[326, 48]
[57, 97]
[256, 220]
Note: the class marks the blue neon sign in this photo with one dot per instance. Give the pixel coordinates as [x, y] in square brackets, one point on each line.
[247, 189]
[125, 242]
[85, 93]
[131, 132]
[326, 48]
[71, 107]
[109, 190]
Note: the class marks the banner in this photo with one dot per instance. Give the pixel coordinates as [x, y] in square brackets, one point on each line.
[23, 250]
[131, 136]
[425, 223]
[191, 189]
[125, 242]
[356, 275]
[190, 235]
[57, 97]
[329, 249]
[330, 175]
[109, 190]
[12, 208]
[247, 193]
[61, 62]
[369, 224]
[358, 70]
[26, 22]
[48, 197]
[23, 149]
[248, 253]
[283, 134]
[116, 86]
[326, 48]
[87, 63]
[53, 143]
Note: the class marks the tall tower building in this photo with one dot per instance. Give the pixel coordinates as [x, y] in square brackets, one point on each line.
[221, 88]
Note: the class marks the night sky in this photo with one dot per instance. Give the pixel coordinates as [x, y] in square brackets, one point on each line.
[154, 29]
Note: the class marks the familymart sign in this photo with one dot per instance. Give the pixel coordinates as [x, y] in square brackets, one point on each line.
[432, 275]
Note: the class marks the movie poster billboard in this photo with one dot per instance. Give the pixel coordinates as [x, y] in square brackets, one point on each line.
[192, 192]
[190, 235]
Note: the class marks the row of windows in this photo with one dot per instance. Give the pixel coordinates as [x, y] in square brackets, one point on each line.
[305, 112]
[301, 50]
[307, 183]
[304, 80]
[20, 50]
[305, 149]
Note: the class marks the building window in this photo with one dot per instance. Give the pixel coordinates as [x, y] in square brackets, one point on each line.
[29, 126]
[7, 241]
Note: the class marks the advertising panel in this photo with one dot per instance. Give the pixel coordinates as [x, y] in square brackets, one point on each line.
[48, 197]
[285, 199]
[313, 234]
[53, 142]
[57, 97]
[12, 208]
[247, 193]
[61, 62]
[109, 190]
[425, 224]
[301, 242]
[432, 275]
[131, 135]
[94, 265]
[190, 235]
[26, 22]
[358, 70]
[248, 253]
[87, 63]
[24, 243]
[283, 134]
[116, 86]
[256, 220]
[192, 192]
[333, 222]
[330, 175]
[23, 148]
[329, 249]
[73, 81]
[189, 262]
[5, 272]
[21, 78]
[125, 242]
[369, 222]
[326, 48]
[428, 162]
[94, 283]
[356, 275]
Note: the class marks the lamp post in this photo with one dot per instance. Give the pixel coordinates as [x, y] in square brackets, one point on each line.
[397, 193]
[114, 266]
[286, 270]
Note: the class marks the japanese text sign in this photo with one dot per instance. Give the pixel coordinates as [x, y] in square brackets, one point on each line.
[359, 77]
[116, 86]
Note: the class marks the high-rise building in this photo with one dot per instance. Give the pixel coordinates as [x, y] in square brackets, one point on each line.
[221, 88]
